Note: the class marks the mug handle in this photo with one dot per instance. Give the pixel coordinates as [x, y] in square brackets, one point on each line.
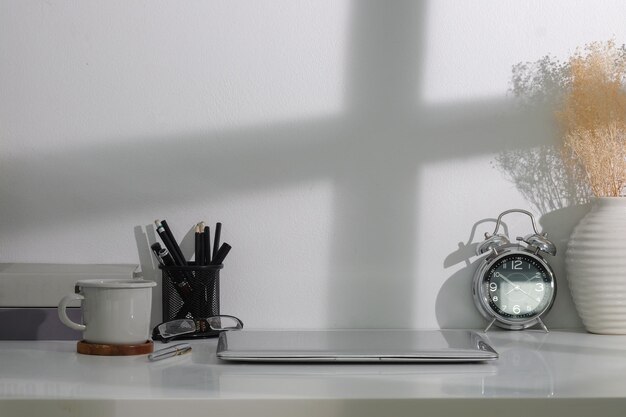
[63, 314]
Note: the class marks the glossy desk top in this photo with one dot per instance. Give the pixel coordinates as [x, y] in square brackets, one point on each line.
[574, 370]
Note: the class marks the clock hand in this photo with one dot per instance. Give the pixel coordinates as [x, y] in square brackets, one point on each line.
[530, 296]
[505, 278]
[515, 286]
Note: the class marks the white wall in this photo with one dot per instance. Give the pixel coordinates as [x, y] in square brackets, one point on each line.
[349, 148]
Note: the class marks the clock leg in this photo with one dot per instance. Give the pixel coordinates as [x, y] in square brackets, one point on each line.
[542, 325]
[489, 326]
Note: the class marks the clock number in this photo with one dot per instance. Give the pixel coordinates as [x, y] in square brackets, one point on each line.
[516, 264]
[493, 287]
[494, 298]
[539, 287]
[516, 309]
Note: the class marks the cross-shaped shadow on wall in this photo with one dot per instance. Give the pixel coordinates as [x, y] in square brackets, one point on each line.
[372, 153]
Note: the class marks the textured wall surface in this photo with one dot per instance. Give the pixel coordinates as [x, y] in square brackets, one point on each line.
[354, 151]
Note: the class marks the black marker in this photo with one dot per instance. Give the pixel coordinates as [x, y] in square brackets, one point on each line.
[164, 237]
[219, 257]
[175, 250]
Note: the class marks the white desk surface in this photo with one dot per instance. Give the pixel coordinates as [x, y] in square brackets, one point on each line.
[537, 374]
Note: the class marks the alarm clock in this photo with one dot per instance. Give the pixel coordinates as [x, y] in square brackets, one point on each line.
[514, 286]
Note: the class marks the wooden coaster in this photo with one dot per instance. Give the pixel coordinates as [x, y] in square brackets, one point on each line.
[87, 348]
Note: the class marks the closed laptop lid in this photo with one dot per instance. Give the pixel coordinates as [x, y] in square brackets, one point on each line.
[354, 346]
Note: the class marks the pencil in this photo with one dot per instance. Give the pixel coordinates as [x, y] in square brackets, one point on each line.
[207, 245]
[216, 241]
[198, 250]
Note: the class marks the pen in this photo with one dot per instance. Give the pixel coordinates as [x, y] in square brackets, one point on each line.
[166, 258]
[156, 248]
[170, 351]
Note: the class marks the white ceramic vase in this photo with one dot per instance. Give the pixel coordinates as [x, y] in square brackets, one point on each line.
[596, 266]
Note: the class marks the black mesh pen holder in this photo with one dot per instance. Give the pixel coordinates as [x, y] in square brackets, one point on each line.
[191, 292]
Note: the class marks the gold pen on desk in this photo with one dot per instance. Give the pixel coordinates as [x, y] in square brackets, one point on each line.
[170, 351]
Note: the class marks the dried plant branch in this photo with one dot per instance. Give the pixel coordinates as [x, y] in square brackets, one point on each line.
[541, 174]
[593, 117]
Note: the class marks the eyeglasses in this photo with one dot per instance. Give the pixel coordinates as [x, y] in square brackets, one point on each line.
[193, 328]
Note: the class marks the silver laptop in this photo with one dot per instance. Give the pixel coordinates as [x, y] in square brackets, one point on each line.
[354, 346]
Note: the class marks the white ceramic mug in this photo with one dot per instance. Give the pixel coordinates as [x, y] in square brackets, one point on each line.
[115, 312]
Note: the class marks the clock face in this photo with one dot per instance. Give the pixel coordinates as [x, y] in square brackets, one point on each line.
[518, 287]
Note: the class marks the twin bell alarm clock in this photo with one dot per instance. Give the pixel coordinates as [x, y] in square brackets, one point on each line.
[514, 286]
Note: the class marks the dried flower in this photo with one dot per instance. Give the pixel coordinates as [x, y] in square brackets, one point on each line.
[593, 117]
